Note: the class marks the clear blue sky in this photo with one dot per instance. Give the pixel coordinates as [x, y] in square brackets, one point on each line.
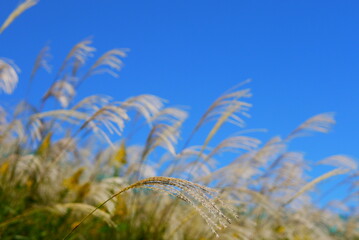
[303, 56]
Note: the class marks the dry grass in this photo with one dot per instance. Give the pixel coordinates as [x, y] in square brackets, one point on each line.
[17, 12]
[62, 165]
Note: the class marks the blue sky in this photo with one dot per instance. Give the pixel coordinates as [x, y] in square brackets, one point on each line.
[303, 57]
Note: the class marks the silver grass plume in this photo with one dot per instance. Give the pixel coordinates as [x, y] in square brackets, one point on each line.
[92, 103]
[163, 135]
[63, 91]
[194, 163]
[42, 61]
[231, 103]
[170, 115]
[109, 62]
[314, 182]
[319, 123]
[79, 210]
[8, 75]
[226, 108]
[227, 102]
[17, 12]
[271, 149]
[70, 116]
[112, 116]
[340, 161]
[78, 55]
[147, 105]
[165, 131]
[234, 143]
[203, 199]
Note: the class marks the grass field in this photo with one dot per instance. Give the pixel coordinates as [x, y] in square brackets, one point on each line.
[82, 170]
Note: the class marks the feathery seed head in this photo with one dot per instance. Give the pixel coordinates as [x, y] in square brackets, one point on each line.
[8, 75]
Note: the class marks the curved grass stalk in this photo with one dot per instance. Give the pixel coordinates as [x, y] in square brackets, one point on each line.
[17, 12]
[192, 193]
[311, 184]
[18, 217]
